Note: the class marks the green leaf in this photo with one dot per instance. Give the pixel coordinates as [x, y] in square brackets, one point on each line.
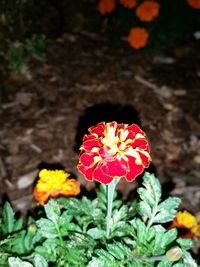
[47, 228]
[40, 261]
[96, 233]
[119, 250]
[152, 192]
[8, 219]
[16, 262]
[144, 209]
[52, 210]
[188, 260]
[167, 210]
[169, 237]
[185, 243]
[165, 264]
[120, 214]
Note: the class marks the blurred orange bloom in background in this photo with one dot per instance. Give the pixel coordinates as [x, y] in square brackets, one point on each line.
[128, 3]
[106, 6]
[138, 37]
[148, 10]
[186, 222]
[55, 183]
[194, 3]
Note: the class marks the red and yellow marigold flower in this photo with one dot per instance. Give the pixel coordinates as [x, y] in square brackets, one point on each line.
[55, 183]
[186, 222]
[138, 37]
[128, 3]
[194, 3]
[113, 150]
[148, 10]
[106, 6]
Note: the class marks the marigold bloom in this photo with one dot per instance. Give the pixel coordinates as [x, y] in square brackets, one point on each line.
[187, 222]
[55, 183]
[194, 3]
[113, 150]
[138, 37]
[148, 10]
[106, 6]
[128, 3]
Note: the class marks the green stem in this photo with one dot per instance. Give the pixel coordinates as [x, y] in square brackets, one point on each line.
[59, 235]
[110, 195]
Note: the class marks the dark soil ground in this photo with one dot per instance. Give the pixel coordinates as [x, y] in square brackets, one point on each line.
[86, 79]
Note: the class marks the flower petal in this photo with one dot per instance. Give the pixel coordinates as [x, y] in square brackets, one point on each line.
[145, 159]
[99, 129]
[87, 172]
[134, 169]
[141, 143]
[116, 168]
[89, 144]
[87, 159]
[101, 177]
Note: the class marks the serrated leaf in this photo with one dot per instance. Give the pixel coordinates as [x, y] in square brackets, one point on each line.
[165, 264]
[167, 210]
[168, 237]
[144, 209]
[17, 262]
[96, 233]
[40, 261]
[115, 251]
[188, 260]
[120, 214]
[170, 203]
[153, 188]
[52, 210]
[185, 243]
[47, 228]
[105, 255]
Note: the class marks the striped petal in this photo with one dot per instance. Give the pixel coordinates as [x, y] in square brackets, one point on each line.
[87, 172]
[101, 177]
[134, 169]
[99, 129]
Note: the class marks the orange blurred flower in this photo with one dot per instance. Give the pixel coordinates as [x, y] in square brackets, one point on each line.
[106, 6]
[186, 222]
[128, 3]
[194, 3]
[148, 10]
[138, 37]
[55, 183]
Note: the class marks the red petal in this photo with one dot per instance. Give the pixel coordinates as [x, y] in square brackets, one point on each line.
[90, 136]
[134, 169]
[101, 177]
[115, 168]
[99, 129]
[145, 160]
[87, 159]
[141, 143]
[133, 130]
[89, 144]
[87, 172]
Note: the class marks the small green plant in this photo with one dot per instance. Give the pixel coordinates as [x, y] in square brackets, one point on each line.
[20, 53]
[75, 235]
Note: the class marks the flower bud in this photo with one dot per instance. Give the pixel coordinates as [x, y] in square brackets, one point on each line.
[174, 253]
[32, 228]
